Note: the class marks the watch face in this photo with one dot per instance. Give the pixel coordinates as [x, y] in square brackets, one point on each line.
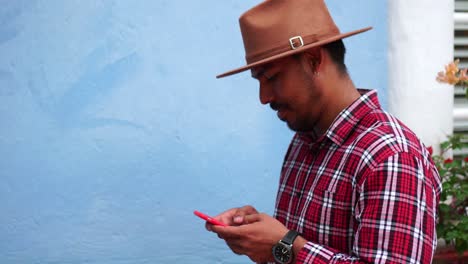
[282, 253]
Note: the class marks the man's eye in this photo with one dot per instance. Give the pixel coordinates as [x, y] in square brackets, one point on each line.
[270, 76]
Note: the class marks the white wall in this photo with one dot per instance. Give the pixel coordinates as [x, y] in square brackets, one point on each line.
[420, 44]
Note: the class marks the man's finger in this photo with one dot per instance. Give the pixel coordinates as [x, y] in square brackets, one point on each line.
[249, 219]
[248, 209]
[238, 217]
[226, 232]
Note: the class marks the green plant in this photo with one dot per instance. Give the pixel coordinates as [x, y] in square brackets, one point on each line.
[452, 223]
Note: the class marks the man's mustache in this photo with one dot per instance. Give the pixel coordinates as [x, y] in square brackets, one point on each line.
[276, 106]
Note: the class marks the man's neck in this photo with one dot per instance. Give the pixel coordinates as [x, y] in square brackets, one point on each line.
[340, 93]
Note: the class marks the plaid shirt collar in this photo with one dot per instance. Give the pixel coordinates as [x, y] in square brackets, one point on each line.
[348, 118]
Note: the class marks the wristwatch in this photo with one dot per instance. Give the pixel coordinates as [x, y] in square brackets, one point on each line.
[282, 251]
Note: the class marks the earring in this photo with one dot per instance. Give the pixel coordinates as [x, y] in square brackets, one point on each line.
[314, 64]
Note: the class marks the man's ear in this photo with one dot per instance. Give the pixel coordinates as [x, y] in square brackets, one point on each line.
[313, 60]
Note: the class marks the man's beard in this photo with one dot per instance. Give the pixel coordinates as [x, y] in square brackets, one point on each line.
[306, 122]
[300, 124]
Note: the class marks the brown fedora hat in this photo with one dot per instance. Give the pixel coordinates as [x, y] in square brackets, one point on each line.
[278, 28]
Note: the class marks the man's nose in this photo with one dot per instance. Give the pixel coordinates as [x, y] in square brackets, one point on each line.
[266, 94]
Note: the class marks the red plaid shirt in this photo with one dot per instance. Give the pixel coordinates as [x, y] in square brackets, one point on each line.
[364, 192]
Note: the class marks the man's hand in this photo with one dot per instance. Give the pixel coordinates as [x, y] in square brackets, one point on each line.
[255, 237]
[234, 216]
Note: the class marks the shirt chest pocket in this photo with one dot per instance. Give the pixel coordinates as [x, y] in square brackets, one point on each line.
[326, 216]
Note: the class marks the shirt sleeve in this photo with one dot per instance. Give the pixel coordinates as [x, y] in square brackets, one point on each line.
[395, 216]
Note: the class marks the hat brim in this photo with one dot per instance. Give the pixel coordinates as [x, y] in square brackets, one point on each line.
[294, 51]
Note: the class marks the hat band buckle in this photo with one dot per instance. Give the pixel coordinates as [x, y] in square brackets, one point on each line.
[296, 42]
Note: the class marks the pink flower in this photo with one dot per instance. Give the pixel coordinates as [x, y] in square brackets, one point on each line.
[463, 77]
[452, 68]
[448, 161]
[452, 74]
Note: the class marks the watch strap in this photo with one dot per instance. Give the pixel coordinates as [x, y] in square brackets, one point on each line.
[290, 237]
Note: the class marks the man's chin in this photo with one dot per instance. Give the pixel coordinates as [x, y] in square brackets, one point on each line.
[303, 128]
[293, 127]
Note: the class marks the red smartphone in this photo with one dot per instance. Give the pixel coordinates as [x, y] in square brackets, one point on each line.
[209, 219]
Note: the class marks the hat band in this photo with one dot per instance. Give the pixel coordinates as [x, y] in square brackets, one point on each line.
[293, 43]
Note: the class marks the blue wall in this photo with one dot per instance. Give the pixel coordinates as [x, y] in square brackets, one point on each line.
[114, 129]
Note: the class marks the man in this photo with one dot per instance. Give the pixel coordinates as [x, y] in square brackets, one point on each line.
[356, 186]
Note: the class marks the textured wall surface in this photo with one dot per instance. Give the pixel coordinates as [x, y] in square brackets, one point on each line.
[114, 129]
